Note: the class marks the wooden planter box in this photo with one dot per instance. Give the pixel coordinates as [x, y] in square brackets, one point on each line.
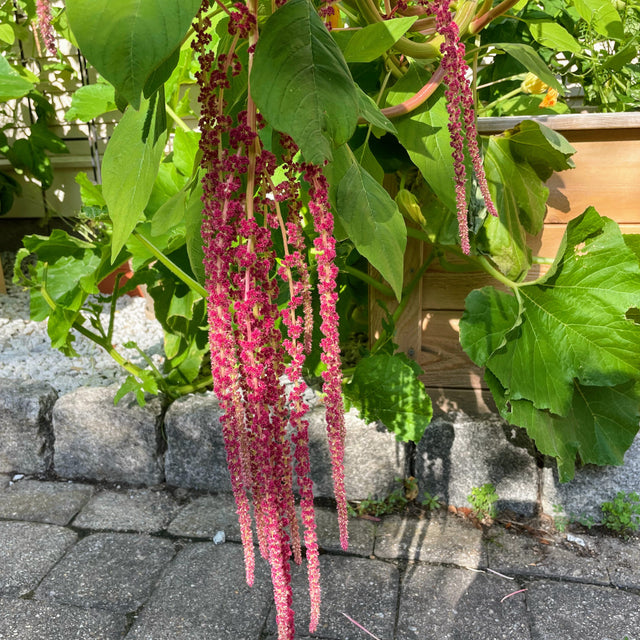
[606, 176]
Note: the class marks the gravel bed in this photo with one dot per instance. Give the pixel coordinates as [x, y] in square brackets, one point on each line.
[26, 352]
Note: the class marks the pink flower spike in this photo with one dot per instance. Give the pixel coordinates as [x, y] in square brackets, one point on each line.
[43, 10]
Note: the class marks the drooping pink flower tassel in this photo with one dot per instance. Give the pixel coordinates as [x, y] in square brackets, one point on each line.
[43, 10]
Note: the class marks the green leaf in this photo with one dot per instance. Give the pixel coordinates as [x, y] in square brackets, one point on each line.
[127, 40]
[185, 149]
[12, 84]
[301, 83]
[91, 101]
[193, 223]
[90, 193]
[600, 426]
[520, 198]
[7, 33]
[373, 222]
[370, 111]
[573, 324]
[129, 169]
[371, 42]
[601, 16]
[621, 58]
[384, 387]
[529, 58]
[543, 148]
[553, 35]
[424, 134]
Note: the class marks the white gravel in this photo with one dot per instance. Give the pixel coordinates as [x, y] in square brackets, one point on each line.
[26, 352]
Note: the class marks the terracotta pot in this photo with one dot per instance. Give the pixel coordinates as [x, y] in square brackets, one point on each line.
[106, 285]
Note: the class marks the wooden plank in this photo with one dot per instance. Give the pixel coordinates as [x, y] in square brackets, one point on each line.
[441, 356]
[546, 245]
[565, 121]
[606, 176]
[471, 401]
[446, 291]
[408, 329]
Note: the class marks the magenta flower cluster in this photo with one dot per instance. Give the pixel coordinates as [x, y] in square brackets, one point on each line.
[265, 430]
[461, 116]
[43, 11]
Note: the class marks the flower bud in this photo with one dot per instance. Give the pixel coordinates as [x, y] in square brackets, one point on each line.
[409, 206]
[533, 84]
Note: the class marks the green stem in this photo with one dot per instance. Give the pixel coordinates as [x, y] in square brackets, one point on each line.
[183, 390]
[194, 285]
[366, 278]
[500, 277]
[483, 20]
[541, 260]
[177, 119]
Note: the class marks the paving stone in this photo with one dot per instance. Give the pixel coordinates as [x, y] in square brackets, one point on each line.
[139, 510]
[31, 620]
[523, 555]
[203, 596]
[366, 590]
[458, 453]
[205, 516]
[195, 456]
[51, 502]
[28, 551]
[445, 603]
[622, 558]
[373, 458]
[591, 486]
[100, 441]
[5, 479]
[561, 610]
[439, 538]
[113, 571]
[361, 533]
[25, 426]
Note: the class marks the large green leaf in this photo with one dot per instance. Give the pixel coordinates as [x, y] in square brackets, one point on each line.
[543, 148]
[600, 426]
[529, 58]
[301, 82]
[91, 101]
[384, 387]
[129, 169]
[572, 324]
[601, 16]
[424, 134]
[12, 84]
[373, 222]
[553, 35]
[370, 111]
[365, 45]
[127, 40]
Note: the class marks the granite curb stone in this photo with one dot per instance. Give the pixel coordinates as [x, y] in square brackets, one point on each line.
[99, 441]
[32, 620]
[367, 590]
[25, 426]
[28, 551]
[458, 452]
[195, 456]
[141, 510]
[446, 603]
[561, 610]
[50, 502]
[591, 486]
[203, 595]
[439, 538]
[113, 571]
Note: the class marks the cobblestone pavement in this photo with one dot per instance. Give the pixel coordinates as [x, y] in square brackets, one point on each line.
[92, 563]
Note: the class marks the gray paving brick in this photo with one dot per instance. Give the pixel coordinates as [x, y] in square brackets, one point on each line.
[622, 559]
[139, 510]
[439, 538]
[32, 620]
[446, 603]
[561, 610]
[203, 596]
[205, 516]
[113, 571]
[366, 590]
[28, 550]
[50, 502]
[526, 556]
[361, 533]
